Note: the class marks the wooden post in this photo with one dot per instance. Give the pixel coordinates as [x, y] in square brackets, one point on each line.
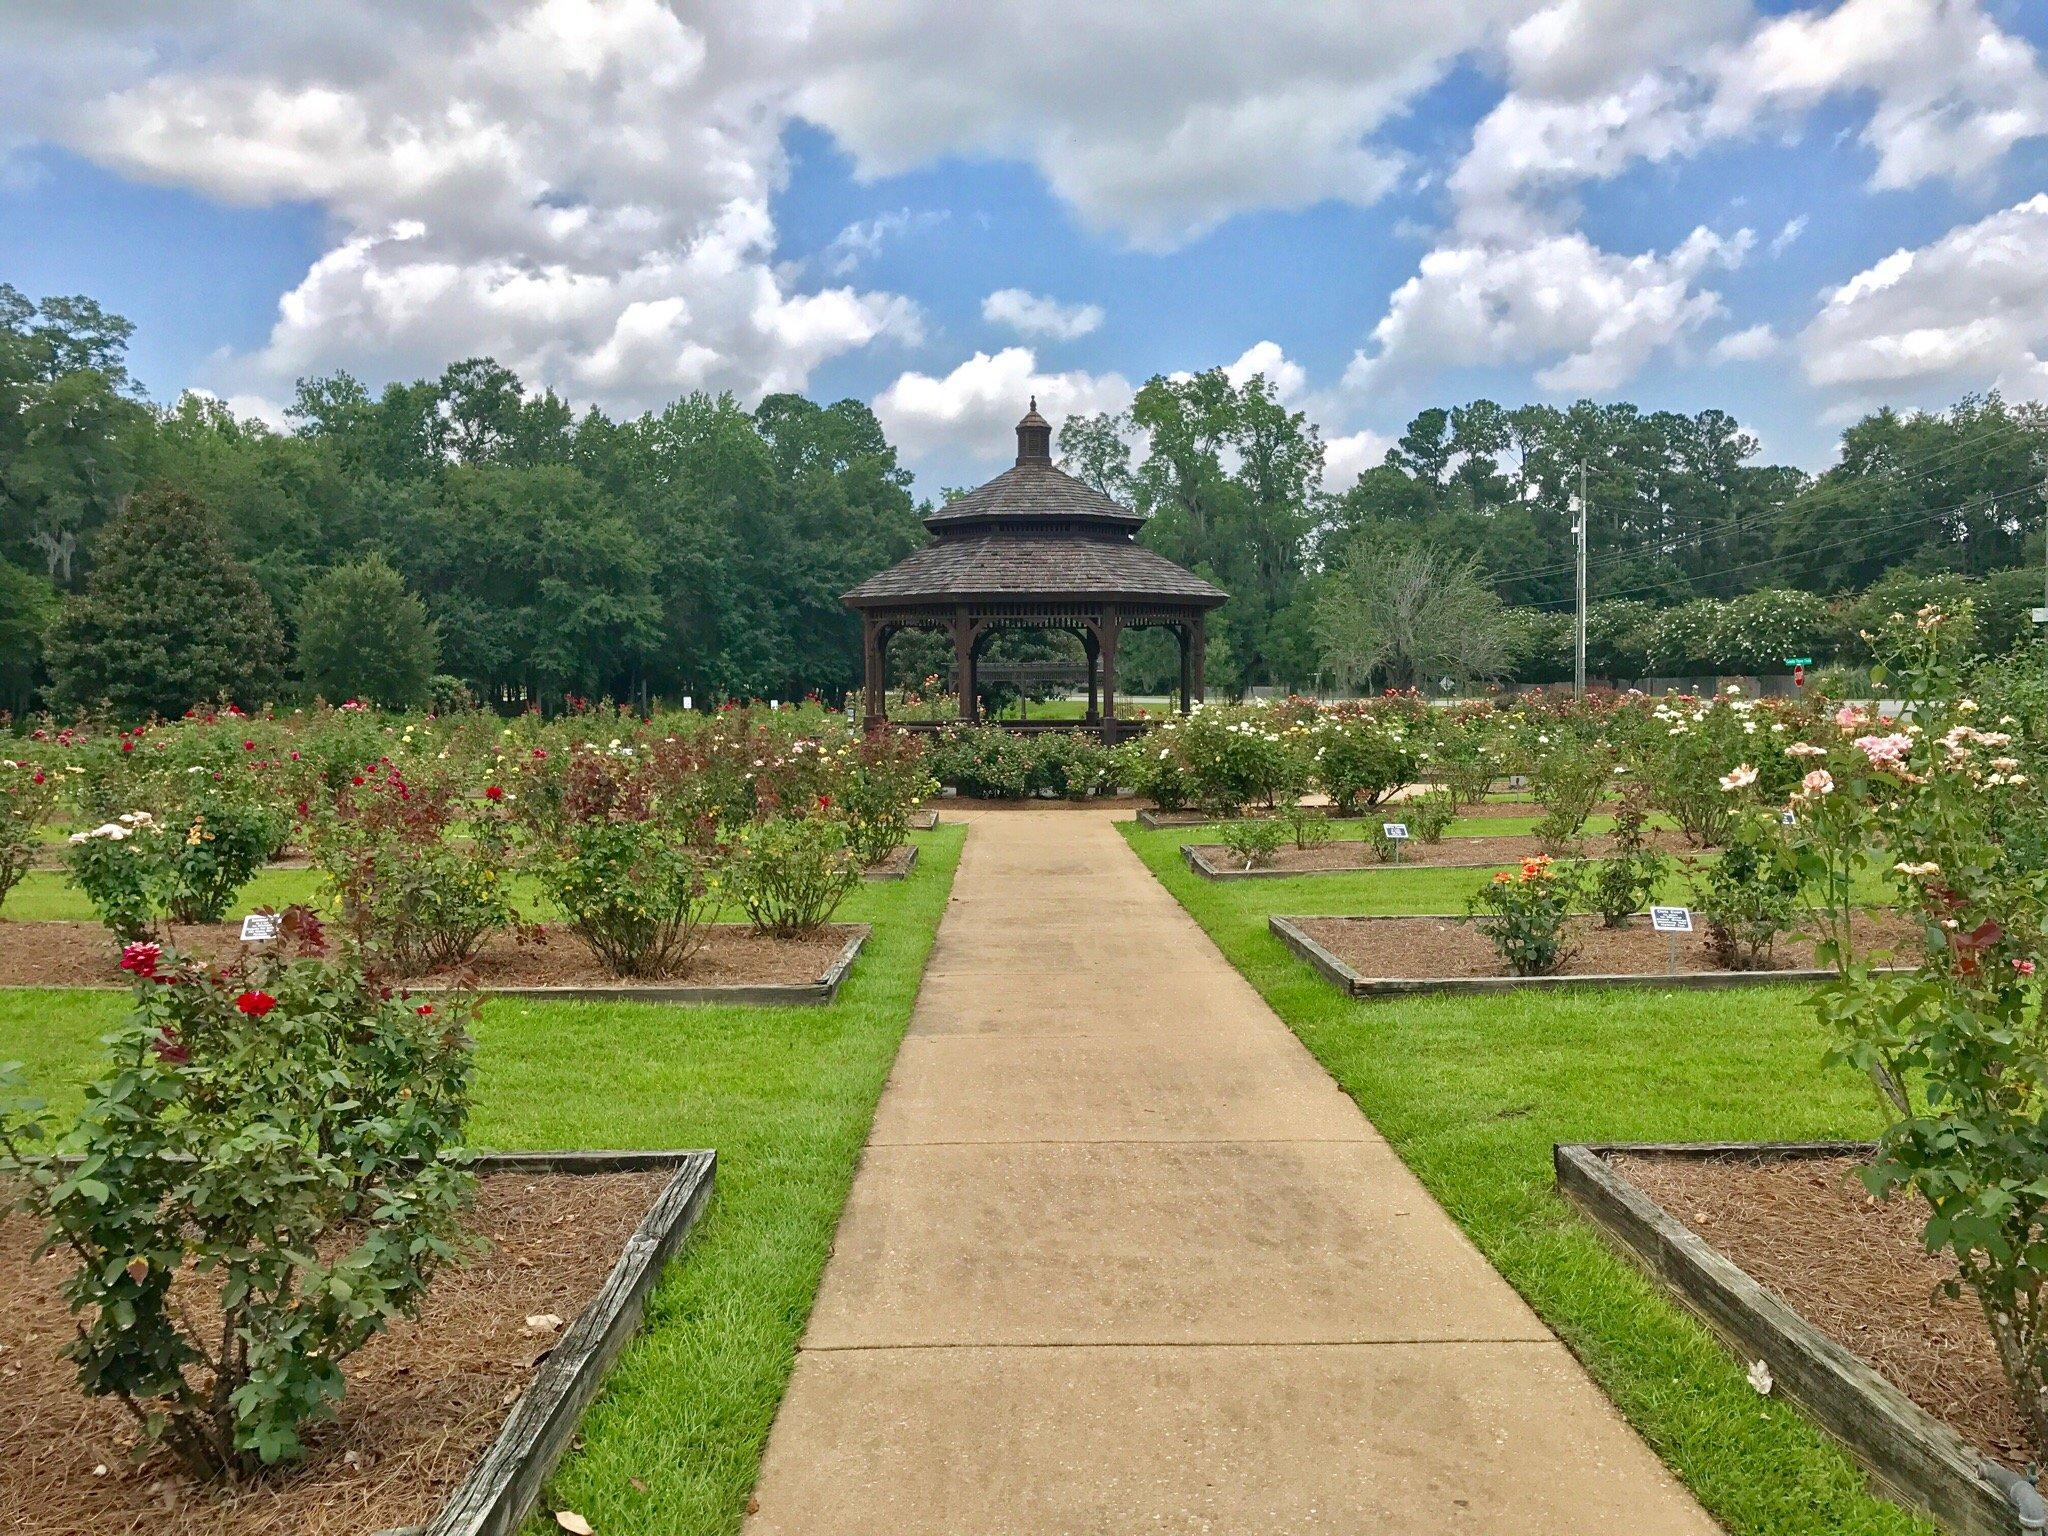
[1093, 652]
[1187, 667]
[875, 662]
[963, 665]
[1198, 649]
[1110, 628]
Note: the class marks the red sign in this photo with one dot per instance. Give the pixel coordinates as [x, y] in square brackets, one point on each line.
[1799, 677]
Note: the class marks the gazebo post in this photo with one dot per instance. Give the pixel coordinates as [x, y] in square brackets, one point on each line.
[1107, 628]
[1093, 652]
[1197, 650]
[1187, 667]
[875, 662]
[963, 666]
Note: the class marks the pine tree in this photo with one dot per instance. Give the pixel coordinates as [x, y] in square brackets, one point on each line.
[169, 619]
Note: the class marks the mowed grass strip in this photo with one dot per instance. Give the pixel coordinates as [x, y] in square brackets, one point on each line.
[1473, 1092]
[785, 1095]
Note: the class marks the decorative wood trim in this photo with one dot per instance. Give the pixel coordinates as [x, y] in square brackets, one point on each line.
[505, 1484]
[1911, 1455]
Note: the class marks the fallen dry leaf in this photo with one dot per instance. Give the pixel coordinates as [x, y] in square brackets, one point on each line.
[1760, 1377]
[574, 1523]
[543, 1322]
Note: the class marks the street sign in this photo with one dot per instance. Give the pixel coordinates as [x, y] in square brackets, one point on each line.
[1799, 675]
[1671, 919]
[1798, 661]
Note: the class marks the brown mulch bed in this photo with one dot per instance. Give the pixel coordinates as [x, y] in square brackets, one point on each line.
[1357, 853]
[424, 1399]
[1417, 947]
[83, 955]
[891, 864]
[1854, 1268]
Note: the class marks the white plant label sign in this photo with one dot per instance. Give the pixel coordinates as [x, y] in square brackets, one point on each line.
[1396, 831]
[1671, 919]
[259, 928]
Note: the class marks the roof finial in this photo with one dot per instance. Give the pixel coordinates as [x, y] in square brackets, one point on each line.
[1034, 402]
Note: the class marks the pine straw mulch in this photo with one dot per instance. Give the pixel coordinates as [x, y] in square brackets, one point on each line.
[1852, 1266]
[1416, 948]
[73, 954]
[424, 1399]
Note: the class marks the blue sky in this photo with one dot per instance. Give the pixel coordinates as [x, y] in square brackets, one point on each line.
[1684, 203]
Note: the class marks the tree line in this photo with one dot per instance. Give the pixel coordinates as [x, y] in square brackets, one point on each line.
[495, 538]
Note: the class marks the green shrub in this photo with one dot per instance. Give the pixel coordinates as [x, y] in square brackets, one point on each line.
[791, 872]
[1306, 824]
[277, 1148]
[141, 871]
[1430, 814]
[982, 761]
[1748, 895]
[1254, 840]
[419, 872]
[628, 860]
[887, 776]
[1569, 777]
[1360, 756]
[28, 798]
[1526, 915]
[1623, 882]
[1232, 757]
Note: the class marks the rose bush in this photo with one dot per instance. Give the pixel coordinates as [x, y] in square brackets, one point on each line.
[277, 1146]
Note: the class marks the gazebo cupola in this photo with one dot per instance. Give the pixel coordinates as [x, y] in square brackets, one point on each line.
[1034, 548]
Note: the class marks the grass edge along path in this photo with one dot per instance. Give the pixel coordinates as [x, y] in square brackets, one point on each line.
[1475, 1123]
[786, 1096]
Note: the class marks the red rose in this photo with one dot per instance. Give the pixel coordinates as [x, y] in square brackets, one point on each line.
[494, 793]
[357, 781]
[248, 746]
[127, 746]
[255, 1004]
[141, 959]
[425, 1010]
[35, 778]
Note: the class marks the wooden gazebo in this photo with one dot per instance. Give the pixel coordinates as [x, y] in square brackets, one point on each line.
[1034, 549]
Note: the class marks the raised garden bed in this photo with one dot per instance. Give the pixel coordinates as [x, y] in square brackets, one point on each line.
[452, 1420]
[1350, 856]
[736, 964]
[1396, 956]
[1783, 1254]
[897, 863]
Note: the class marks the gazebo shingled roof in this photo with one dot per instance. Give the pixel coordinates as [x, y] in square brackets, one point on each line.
[1034, 548]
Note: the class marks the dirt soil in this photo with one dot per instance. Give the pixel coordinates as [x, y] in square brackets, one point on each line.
[83, 955]
[1854, 1268]
[424, 1399]
[893, 863]
[1452, 851]
[1405, 948]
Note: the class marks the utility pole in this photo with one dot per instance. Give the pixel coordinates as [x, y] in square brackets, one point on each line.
[1579, 661]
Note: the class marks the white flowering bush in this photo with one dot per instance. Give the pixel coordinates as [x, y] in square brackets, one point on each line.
[1360, 755]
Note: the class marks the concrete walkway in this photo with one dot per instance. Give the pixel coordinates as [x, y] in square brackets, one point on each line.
[1121, 1258]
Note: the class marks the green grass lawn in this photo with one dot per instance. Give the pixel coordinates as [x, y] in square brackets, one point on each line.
[784, 1094]
[1473, 1092]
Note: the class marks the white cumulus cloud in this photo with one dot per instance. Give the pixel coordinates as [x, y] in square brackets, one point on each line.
[1746, 345]
[969, 413]
[1970, 308]
[1033, 314]
[1589, 317]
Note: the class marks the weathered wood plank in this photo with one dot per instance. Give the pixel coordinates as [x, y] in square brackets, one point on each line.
[1911, 1455]
[505, 1484]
